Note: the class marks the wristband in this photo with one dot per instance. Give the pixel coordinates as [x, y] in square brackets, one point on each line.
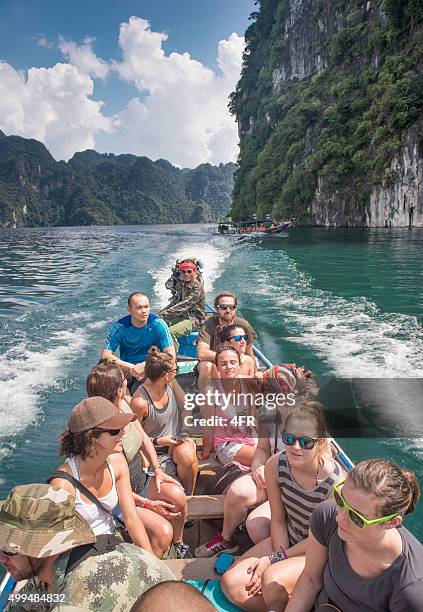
[278, 555]
[154, 442]
[145, 503]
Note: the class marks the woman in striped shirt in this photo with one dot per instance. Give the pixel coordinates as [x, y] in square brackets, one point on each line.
[297, 480]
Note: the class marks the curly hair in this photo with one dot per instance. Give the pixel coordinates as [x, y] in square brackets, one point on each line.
[81, 444]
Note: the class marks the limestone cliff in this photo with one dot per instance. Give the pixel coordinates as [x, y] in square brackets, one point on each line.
[329, 108]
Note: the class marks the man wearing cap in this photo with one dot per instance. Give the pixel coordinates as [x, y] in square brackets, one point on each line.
[45, 541]
[135, 334]
[185, 311]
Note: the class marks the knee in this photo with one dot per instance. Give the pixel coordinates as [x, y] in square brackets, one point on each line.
[258, 528]
[165, 534]
[237, 494]
[175, 495]
[233, 587]
[185, 454]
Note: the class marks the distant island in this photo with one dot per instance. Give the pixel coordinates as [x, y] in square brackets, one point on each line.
[105, 189]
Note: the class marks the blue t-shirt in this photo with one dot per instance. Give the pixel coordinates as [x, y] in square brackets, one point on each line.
[134, 342]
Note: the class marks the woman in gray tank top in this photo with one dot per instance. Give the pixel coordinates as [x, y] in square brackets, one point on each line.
[158, 403]
[297, 480]
[357, 557]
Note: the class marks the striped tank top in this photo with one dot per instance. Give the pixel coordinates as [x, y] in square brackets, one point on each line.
[298, 502]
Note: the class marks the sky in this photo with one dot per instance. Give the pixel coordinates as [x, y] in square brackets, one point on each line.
[148, 77]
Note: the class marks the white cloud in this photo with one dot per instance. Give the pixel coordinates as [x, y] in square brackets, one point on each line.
[183, 116]
[83, 57]
[181, 113]
[53, 106]
[42, 41]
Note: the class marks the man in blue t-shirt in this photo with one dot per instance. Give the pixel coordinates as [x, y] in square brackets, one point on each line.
[135, 334]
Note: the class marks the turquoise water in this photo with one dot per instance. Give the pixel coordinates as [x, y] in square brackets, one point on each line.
[345, 303]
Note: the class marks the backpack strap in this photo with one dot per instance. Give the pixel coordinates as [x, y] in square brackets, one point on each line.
[82, 489]
[104, 543]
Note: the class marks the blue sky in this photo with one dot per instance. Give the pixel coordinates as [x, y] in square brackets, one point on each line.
[84, 35]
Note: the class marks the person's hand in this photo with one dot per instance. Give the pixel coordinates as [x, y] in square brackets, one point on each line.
[258, 476]
[257, 567]
[137, 371]
[161, 476]
[162, 508]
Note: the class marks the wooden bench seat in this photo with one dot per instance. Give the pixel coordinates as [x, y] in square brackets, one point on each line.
[193, 569]
[205, 507]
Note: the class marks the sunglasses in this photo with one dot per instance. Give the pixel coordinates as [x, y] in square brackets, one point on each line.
[305, 442]
[111, 432]
[239, 337]
[355, 517]
[8, 554]
[226, 306]
[176, 369]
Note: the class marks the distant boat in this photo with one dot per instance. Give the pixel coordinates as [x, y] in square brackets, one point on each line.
[253, 229]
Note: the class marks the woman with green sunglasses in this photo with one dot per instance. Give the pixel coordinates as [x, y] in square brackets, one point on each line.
[357, 557]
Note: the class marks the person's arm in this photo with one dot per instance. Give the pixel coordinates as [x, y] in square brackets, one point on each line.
[278, 526]
[164, 337]
[311, 579]
[261, 455]
[207, 411]
[204, 353]
[139, 405]
[130, 515]
[150, 452]
[108, 355]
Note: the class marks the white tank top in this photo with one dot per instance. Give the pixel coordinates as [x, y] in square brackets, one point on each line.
[99, 521]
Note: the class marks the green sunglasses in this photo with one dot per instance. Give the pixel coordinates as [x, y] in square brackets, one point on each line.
[355, 517]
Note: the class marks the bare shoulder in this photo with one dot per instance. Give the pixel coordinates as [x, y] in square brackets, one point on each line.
[119, 463]
[61, 483]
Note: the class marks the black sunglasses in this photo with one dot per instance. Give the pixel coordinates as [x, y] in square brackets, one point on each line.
[111, 432]
[8, 554]
[305, 442]
[226, 306]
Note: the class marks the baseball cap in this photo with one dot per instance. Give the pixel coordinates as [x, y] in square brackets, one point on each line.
[94, 411]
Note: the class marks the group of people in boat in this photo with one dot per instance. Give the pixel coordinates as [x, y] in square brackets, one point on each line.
[320, 535]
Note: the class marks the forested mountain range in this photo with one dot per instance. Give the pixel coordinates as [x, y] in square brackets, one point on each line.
[105, 189]
[330, 113]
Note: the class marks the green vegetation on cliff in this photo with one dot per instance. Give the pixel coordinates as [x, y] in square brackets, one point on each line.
[105, 189]
[328, 89]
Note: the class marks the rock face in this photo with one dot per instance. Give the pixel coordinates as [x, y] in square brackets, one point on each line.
[329, 110]
[399, 203]
[105, 189]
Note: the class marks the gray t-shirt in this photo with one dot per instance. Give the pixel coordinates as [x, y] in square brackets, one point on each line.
[397, 589]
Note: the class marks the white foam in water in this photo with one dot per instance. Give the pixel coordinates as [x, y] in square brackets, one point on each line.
[211, 257]
[352, 335]
[24, 374]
